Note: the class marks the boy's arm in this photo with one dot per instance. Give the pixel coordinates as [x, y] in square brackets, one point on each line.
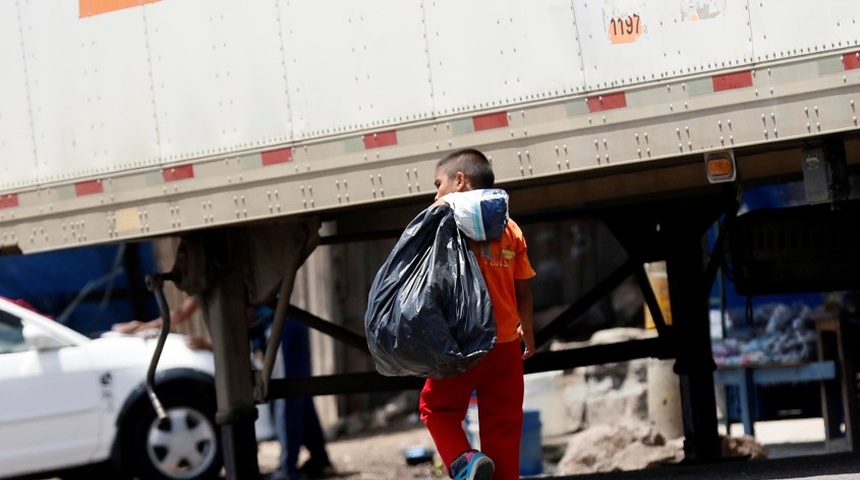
[525, 308]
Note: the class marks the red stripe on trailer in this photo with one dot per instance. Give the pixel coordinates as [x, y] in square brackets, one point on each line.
[181, 172]
[283, 155]
[89, 188]
[9, 201]
[731, 81]
[851, 60]
[607, 102]
[490, 120]
[380, 139]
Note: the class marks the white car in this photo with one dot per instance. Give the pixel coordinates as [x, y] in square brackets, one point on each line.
[69, 401]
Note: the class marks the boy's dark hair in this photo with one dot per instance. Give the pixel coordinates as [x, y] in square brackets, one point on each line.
[474, 165]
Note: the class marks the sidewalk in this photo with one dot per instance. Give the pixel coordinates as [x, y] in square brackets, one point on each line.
[792, 438]
[796, 450]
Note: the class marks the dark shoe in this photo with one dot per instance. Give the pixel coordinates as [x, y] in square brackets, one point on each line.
[280, 475]
[315, 470]
[276, 475]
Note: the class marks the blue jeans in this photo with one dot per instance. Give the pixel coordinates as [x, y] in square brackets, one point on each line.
[296, 419]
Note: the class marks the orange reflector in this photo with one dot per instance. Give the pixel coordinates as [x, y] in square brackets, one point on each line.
[719, 167]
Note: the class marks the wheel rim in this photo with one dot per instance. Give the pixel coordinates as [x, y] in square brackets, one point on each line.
[183, 445]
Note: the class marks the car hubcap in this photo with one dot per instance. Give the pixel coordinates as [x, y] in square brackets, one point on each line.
[183, 445]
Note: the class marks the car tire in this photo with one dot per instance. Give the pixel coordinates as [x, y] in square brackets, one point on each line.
[184, 446]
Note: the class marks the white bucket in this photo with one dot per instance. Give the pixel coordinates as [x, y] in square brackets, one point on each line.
[543, 392]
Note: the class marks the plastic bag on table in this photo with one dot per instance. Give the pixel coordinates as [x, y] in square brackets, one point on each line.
[428, 312]
[481, 214]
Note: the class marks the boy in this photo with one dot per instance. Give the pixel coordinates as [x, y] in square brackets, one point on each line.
[498, 377]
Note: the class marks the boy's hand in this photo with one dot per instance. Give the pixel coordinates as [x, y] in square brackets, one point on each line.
[528, 339]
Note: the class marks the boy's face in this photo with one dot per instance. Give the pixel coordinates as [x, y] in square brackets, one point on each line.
[445, 184]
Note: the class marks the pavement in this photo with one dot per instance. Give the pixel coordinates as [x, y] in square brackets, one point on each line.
[796, 450]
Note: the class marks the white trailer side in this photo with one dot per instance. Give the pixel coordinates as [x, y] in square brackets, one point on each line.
[172, 116]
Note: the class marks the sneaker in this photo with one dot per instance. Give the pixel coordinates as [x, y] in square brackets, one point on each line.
[472, 465]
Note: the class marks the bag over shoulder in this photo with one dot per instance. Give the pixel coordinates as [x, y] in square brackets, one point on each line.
[429, 313]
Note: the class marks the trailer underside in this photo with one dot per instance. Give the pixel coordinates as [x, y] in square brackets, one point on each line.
[658, 214]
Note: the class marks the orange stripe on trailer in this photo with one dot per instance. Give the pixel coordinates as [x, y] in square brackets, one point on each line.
[380, 139]
[731, 81]
[851, 60]
[89, 188]
[490, 120]
[607, 102]
[88, 8]
[181, 172]
[9, 200]
[273, 157]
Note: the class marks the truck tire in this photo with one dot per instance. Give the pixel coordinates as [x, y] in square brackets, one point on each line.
[184, 446]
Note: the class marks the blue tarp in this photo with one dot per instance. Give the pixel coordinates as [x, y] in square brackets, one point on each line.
[51, 281]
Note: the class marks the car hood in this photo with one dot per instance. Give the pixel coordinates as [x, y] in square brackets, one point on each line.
[113, 351]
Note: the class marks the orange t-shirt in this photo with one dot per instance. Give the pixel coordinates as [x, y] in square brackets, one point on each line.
[502, 261]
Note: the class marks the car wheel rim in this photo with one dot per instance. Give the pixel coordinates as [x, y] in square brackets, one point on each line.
[183, 445]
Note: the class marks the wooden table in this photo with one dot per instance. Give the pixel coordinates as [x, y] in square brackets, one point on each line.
[748, 377]
[836, 342]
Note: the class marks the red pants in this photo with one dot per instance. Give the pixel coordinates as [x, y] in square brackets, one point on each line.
[498, 381]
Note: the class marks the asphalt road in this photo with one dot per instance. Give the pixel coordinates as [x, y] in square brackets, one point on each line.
[836, 466]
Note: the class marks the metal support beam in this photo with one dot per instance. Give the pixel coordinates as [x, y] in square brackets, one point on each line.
[326, 327]
[229, 270]
[580, 306]
[695, 364]
[223, 300]
[673, 231]
[366, 382]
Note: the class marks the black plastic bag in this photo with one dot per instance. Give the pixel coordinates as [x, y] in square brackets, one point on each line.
[429, 313]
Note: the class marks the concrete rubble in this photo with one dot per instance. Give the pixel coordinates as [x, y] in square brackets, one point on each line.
[608, 420]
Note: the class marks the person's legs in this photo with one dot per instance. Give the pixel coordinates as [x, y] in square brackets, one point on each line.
[500, 408]
[319, 463]
[314, 438]
[295, 349]
[295, 428]
[281, 431]
[443, 407]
